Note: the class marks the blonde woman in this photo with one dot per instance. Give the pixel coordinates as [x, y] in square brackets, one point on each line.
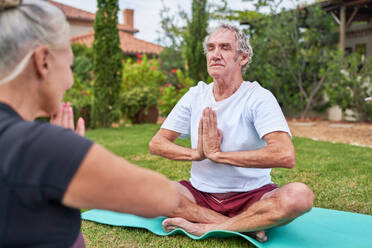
[47, 173]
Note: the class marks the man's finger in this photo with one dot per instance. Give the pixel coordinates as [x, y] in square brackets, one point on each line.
[208, 116]
[220, 135]
[212, 123]
[200, 134]
[205, 125]
[214, 119]
[200, 128]
[205, 112]
[211, 118]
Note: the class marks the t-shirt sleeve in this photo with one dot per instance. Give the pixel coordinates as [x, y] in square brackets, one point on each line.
[266, 114]
[47, 158]
[180, 117]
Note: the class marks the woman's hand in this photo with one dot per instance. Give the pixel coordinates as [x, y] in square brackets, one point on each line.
[65, 118]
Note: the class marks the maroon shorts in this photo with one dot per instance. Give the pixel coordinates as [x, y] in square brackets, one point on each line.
[229, 204]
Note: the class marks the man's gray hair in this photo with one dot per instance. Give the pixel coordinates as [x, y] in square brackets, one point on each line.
[25, 27]
[243, 45]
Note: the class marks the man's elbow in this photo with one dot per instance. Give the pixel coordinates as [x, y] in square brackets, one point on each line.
[289, 160]
[153, 146]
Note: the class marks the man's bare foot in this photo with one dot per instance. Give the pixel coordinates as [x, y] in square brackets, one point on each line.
[199, 229]
[258, 235]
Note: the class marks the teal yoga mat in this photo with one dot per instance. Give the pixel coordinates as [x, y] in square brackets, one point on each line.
[316, 229]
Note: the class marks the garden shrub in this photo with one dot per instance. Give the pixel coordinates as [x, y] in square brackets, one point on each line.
[172, 93]
[353, 85]
[137, 100]
[142, 72]
[171, 60]
[83, 68]
[83, 62]
[82, 50]
[140, 87]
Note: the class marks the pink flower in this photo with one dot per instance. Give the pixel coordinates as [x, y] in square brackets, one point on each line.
[174, 70]
[139, 55]
[91, 74]
[139, 61]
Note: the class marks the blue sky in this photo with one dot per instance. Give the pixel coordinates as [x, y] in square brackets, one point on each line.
[146, 12]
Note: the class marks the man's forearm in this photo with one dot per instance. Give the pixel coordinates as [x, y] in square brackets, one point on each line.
[168, 149]
[262, 158]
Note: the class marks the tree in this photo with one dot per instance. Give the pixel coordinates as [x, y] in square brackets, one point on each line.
[107, 64]
[83, 62]
[352, 86]
[184, 34]
[193, 39]
[295, 55]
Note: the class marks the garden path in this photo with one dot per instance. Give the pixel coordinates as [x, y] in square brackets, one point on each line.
[357, 133]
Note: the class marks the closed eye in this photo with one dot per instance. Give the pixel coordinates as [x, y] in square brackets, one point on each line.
[210, 47]
[226, 46]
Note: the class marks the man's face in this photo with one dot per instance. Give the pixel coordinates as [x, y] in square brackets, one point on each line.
[222, 56]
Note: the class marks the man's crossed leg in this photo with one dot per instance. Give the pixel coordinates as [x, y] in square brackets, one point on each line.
[276, 207]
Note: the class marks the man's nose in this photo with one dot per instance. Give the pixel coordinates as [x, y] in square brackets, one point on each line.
[216, 53]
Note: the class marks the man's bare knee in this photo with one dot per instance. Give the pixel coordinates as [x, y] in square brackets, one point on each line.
[293, 199]
[297, 199]
[269, 194]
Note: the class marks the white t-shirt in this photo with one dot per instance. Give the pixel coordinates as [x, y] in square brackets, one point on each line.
[244, 118]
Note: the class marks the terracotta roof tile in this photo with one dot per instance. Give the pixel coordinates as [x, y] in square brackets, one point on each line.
[76, 14]
[127, 28]
[128, 43]
[72, 13]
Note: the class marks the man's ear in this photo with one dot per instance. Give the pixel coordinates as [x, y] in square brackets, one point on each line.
[244, 59]
[42, 61]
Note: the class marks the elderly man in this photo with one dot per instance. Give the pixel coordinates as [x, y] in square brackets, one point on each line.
[238, 133]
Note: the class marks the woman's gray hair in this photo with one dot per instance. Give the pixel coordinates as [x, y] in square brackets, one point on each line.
[23, 29]
[243, 45]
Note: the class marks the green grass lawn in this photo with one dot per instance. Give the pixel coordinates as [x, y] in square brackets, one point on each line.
[340, 176]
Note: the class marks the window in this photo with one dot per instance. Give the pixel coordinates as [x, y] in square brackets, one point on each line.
[348, 50]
